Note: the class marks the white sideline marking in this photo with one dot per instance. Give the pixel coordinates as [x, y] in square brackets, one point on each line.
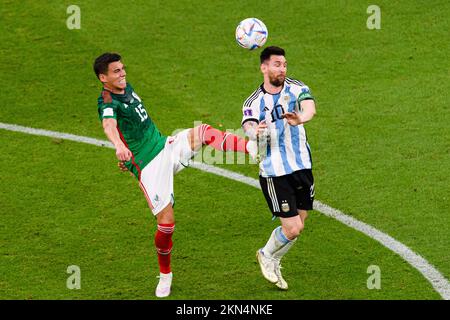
[437, 280]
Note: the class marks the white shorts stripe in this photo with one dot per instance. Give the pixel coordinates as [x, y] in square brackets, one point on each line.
[273, 195]
[269, 190]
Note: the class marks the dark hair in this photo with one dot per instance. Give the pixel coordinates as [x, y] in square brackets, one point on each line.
[101, 64]
[269, 51]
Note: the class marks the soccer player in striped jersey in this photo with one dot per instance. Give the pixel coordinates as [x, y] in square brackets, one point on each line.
[274, 115]
[149, 155]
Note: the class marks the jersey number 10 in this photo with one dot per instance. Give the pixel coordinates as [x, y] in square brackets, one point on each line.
[277, 112]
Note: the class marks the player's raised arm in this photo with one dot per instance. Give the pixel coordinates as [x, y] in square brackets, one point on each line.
[308, 108]
[110, 129]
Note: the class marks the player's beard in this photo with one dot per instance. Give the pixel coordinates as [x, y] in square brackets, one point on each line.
[276, 81]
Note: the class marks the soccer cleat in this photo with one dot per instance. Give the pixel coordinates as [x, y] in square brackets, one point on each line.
[163, 288]
[281, 283]
[267, 266]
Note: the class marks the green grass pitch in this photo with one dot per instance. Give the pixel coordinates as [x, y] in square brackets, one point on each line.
[380, 145]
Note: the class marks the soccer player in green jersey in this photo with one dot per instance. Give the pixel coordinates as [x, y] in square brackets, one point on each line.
[149, 155]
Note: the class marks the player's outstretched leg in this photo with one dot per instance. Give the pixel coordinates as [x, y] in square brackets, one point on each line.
[223, 141]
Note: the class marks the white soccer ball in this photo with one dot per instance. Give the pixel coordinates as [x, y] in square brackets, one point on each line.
[251, 33]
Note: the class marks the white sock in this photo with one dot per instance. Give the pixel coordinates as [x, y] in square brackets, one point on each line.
[284, 249]
[278, 244]
[165, 275]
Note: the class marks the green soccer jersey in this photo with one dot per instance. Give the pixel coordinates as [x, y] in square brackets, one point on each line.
[136, 129]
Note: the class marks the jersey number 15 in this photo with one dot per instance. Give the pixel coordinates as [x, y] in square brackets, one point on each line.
[141, 112]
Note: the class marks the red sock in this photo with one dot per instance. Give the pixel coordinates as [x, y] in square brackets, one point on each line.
[163, 243]
[222, 141]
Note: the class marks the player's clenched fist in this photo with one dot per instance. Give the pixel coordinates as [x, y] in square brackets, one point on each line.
[123, 153]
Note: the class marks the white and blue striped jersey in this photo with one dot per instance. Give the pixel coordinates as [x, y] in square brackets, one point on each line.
[287, 148]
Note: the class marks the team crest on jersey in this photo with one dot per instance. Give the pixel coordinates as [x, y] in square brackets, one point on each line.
[286, 98]
[285, 206]
[136, 96]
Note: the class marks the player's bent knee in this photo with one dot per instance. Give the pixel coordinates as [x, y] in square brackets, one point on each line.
[294, 231]
[298, 229]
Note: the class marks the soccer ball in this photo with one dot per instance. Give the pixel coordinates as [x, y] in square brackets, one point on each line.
[251, 33]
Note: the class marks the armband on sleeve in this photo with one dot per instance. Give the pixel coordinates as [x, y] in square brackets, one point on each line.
[305, 94]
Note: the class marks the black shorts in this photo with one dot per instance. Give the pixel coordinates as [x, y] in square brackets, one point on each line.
[287, 194]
